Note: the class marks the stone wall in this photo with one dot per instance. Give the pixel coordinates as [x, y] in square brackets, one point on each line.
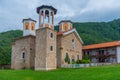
[24, 45]
[66, 47]
[59, 49]
[45, 59]
[40, 55]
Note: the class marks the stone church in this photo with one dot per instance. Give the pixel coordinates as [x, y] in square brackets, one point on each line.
[45, 48]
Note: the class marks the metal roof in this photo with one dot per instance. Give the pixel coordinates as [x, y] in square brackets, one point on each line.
[29, 19]
[46, 6]
[65, 21]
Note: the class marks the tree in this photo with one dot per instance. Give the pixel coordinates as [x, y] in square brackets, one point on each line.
[86, 57]
[67, 59]
[6, 39]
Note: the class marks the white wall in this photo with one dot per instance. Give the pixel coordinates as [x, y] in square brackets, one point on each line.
[94, 60]
[28, 32]
[118, 54]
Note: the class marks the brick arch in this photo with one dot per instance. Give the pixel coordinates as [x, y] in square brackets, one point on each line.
[46, 13]
[26, 25]
[71, 26]
[65, 25]
[32, 26]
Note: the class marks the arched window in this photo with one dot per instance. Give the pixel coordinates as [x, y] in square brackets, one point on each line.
[72, 40]
[51, 48]
[26, 25]
[73, 59]
[51, 35]
[32, 26]
[47, 12]
[46, 20]
[65, 28]
[73, 44]
[23, 55]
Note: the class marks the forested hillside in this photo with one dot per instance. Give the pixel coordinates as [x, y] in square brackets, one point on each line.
[98, 32]
[6, 39]
[90, 32]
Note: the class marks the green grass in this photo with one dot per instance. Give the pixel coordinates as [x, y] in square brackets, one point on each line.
[111, 72]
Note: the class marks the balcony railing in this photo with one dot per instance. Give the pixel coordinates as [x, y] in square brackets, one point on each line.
[102, 55]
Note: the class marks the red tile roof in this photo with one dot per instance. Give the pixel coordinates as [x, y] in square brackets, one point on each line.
[59, 33]
[102, 45]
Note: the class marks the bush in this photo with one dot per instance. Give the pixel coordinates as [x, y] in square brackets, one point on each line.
[82, 61]
[74, 62]
[86, 57]
[78, 61]
[67, 59]
[85, 61]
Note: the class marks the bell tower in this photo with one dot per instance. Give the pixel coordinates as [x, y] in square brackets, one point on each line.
[65, 25]
[28, 27]
[45, 56]
[46, 16]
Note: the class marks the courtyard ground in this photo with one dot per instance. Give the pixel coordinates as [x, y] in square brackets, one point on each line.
[111, 72]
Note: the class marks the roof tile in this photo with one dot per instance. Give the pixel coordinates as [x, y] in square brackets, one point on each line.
[102, 45]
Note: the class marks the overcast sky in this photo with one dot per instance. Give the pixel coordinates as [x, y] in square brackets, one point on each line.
[13, 11]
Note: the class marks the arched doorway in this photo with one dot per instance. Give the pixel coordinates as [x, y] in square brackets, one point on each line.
[73, 59]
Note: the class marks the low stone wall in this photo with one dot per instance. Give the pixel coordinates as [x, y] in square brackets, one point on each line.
[84, 65]
[6, 66]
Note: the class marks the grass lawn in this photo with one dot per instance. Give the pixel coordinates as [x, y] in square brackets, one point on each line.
[111, 72]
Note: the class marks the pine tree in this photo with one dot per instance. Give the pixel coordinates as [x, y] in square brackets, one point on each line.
[67, 59]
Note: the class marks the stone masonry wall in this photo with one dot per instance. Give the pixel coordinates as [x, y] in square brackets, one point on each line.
[67, 48]
[44, 58]
[19, 47]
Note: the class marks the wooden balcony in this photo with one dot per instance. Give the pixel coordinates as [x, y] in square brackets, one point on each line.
[102, 55]
[112, 55]
[91, 55]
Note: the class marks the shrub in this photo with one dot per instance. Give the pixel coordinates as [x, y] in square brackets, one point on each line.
[86, 57]
[85, 61]
[67, 59]
[82, 61]
[78, 61]
[74, 62]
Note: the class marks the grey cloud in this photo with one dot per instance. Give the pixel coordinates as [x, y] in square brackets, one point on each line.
[13, 11]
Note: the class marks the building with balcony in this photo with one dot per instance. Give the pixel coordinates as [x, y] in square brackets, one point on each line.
[103, 53]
